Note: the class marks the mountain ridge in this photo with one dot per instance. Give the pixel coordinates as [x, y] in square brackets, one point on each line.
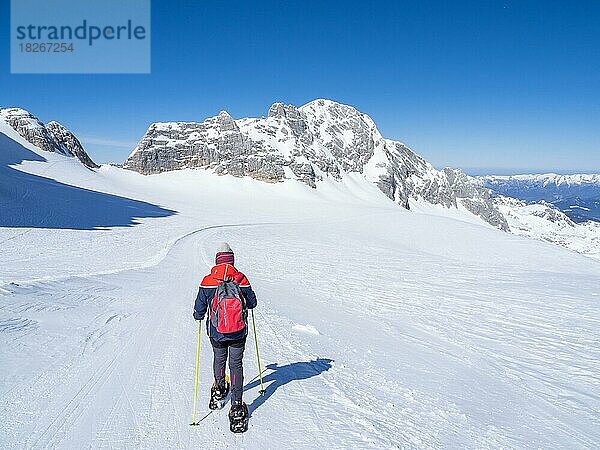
[326, 141]
[320, 139]
[577, 195]
[51, 137]
[547, 178]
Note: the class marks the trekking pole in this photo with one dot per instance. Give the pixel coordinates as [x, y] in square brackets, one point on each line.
[194, 423]
[262, 388]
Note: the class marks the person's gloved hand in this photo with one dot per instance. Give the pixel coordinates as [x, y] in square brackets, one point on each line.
[197, 315]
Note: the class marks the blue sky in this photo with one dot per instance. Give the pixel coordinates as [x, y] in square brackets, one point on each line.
[491, 86]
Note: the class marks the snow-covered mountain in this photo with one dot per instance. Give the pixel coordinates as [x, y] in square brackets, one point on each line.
[50, 137]
[377, 327]
[576, 195]
[472, 338]
[543, 221]
[547, 207]
[547, 179]
[318, 140]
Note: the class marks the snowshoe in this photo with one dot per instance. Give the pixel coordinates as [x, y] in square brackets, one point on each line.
[218, 394]
[238, 418]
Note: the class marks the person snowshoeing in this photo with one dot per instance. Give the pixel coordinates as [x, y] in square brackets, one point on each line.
[227, 295]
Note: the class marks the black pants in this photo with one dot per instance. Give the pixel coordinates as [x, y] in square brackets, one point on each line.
[236, 369]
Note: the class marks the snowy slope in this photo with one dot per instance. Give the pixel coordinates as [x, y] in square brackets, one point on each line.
[51, 137]
[378, 327]
[561, 209]
[543, 221]
[576, 195]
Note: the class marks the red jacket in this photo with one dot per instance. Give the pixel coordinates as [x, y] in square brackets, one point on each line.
[224, 272]
[206, 294]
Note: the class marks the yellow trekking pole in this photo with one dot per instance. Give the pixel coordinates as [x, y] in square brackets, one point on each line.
[194, 423]
[262, 388]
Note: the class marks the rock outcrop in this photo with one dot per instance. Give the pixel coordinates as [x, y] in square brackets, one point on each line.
[70, 143]
[52, 137]
[320, 139]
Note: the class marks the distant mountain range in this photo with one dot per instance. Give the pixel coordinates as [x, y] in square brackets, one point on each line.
[578, 196]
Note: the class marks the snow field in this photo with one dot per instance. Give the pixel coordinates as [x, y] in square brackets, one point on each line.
[432, 330]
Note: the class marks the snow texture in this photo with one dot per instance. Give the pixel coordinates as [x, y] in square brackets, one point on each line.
[435, 330]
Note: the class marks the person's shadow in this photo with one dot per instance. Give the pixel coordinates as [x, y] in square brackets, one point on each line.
[282, 375]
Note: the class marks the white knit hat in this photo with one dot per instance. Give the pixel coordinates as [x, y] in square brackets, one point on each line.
[224, 248]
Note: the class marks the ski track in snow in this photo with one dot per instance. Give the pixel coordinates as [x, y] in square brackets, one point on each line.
[148, 353]
[106, 360]
[427, 335]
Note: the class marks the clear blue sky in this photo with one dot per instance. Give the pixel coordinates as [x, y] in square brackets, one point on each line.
[500, 85]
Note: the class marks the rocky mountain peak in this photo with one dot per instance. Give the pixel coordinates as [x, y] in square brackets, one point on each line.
[226, 122]
[31, 129]
[69, 143]
[294, 119]
[52, 137]
[317, 140]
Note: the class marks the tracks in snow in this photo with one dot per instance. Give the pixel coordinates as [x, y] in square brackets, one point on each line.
[117, 368]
